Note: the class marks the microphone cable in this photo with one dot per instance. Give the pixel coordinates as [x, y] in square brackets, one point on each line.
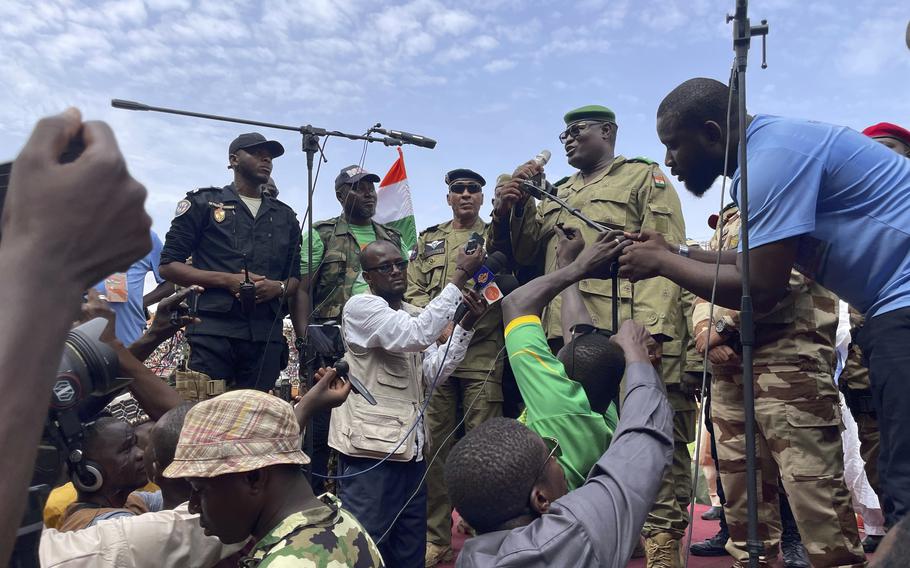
[700, 421]
[439, 449]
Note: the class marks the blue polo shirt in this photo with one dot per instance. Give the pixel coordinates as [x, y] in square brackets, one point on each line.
[131, 314]
[849, 198]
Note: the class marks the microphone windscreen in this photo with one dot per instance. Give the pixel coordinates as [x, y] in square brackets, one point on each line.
[342, 368]
[507, 283]
[495, 262]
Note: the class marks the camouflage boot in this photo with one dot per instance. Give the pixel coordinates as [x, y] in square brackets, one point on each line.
[662, 551]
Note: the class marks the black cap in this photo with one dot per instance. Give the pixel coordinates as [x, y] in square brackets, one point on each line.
[353, 174]
[253, 139]
[463, 173]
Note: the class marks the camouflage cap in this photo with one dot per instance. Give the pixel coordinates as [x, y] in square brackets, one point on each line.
[590, 112]
[238, 431]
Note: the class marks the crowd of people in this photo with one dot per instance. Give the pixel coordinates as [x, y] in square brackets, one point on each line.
[559, 437]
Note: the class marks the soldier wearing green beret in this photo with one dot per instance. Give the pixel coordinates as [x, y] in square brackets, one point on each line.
[629, 194]
[478, 379]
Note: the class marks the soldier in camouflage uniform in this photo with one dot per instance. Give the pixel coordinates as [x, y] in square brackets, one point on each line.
[476, 383]
[334, 275]
[628, 194]
[797, 416]
[276, 506]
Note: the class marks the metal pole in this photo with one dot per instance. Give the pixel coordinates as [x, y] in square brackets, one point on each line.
[742, 33]
[310, 147]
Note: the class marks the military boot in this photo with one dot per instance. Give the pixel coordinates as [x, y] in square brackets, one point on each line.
[662, 551]
[791, 544]
[716, 545]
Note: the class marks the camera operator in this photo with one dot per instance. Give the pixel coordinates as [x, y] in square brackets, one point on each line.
[65, 227]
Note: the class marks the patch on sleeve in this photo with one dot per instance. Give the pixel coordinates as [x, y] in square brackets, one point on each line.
[660, 181]
[182, 207]
[434, 247]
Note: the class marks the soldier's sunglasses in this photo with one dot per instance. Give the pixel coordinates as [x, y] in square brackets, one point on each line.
[401, 265]
[460, 188]
[577, 128]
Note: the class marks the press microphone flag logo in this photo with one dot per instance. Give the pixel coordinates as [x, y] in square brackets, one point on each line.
[393, 203]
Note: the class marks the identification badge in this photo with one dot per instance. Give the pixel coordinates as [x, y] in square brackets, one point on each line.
[219, 215]
[115, 288]
[434, 247]
[660, 181]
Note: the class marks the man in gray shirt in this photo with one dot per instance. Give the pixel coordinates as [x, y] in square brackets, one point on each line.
[506, 482]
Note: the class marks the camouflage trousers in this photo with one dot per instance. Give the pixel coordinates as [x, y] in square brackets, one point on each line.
[798, 426]
[443, 414]
[670, 511]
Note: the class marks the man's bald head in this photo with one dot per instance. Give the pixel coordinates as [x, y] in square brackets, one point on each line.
[375, 249]
[385, 270]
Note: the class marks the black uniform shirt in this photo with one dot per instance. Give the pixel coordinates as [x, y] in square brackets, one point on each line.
[216, 228]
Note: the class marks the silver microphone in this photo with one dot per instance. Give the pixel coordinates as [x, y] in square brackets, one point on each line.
[542, 158]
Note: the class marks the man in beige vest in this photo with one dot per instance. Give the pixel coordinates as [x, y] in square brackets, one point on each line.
[391, 346]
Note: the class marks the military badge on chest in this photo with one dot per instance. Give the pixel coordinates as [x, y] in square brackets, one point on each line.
[433, 248]
[219, 211]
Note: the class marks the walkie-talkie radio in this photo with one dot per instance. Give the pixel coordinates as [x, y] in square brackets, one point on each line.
[247, 292]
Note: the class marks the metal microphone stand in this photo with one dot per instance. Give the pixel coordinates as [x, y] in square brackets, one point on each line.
[541, 194]
[742, 35]
[311, 135]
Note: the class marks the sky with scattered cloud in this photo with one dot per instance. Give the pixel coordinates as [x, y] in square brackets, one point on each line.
[489, 79]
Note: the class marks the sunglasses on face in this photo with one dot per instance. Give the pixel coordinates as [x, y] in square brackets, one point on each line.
[401, 265]
[460, 188]
[576, 129]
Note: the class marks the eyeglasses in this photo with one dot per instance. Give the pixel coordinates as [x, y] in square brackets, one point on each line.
[555, 452]
[401, 265]
[471, 188]
[576, 129]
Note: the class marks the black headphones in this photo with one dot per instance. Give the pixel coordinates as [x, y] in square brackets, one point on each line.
[85, 475]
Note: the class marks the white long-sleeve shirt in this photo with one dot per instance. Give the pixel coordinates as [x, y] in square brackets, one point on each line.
[370, 322]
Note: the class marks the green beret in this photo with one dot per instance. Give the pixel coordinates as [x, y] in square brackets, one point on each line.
[464, 173]
[590, 112]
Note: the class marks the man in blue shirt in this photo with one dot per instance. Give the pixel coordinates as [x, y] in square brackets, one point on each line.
[125, 293]
[823, 199]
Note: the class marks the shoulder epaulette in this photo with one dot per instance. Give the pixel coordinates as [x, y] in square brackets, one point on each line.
[201, 189]
[562, 181]
[325, 222]
[430, 228]
[642, 160]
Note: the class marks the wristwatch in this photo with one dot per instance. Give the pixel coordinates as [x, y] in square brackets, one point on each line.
[283, 287]
[721, 327]
[683, 250]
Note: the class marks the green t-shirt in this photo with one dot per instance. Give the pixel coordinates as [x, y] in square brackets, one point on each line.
[557, 406]
[364, 234]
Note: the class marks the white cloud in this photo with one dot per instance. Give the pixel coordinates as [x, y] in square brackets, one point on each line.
[498, 65]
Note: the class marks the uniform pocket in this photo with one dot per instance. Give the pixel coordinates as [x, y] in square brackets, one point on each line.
[660, 215]
[382, 427]
[812, 439]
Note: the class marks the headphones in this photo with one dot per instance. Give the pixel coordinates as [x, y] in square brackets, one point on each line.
[85, 475]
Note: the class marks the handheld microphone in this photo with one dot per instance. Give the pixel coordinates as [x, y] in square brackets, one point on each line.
[543, 157]
[343, 370]
[482, 278]
[408, 138]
